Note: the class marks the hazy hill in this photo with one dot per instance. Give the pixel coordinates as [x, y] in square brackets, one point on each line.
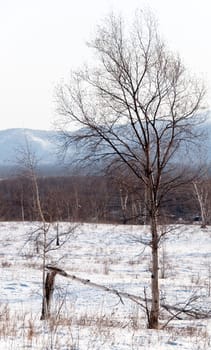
[44, 144]
[13, 142]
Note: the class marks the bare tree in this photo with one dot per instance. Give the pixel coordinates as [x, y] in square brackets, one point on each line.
[28, 161]
[42, 236]
[202, 194]
[137, 106]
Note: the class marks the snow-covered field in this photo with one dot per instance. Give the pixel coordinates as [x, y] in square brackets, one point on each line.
[87, 318]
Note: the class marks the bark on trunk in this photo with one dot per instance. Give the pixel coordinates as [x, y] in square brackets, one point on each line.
[155, 307]
[49, 287]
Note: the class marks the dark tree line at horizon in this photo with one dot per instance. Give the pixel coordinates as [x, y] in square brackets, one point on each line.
[99, 199]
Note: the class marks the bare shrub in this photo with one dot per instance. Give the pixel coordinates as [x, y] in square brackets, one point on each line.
[6, 264]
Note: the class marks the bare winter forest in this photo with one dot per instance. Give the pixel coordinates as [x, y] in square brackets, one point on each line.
[100, 199]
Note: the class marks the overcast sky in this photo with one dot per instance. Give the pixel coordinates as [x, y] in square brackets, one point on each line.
[42, 40]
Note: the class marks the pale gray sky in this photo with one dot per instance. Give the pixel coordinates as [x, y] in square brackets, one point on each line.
[42, 40]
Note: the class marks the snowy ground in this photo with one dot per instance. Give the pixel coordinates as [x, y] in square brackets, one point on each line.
[86, 318]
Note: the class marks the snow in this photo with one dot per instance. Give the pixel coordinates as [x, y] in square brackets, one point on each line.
[87, 318]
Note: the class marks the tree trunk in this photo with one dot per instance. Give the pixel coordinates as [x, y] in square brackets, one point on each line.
[49, 287]
[57, 235]
[201, 195]
[153, 321]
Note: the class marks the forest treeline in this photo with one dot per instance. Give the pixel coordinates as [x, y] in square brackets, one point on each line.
[90, 199]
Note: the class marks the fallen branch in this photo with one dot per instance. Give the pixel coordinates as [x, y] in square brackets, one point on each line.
[119, 294]
[186, 308]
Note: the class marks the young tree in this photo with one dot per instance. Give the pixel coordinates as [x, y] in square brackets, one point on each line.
[202, 194]
[44, 237]
[137, 105]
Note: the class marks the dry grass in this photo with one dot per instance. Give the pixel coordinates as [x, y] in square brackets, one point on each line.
[8, 324]
[99, 329]
[6, 263]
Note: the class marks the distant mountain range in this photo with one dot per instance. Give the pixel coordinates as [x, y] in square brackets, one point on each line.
[44, 144]
[14, 142]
